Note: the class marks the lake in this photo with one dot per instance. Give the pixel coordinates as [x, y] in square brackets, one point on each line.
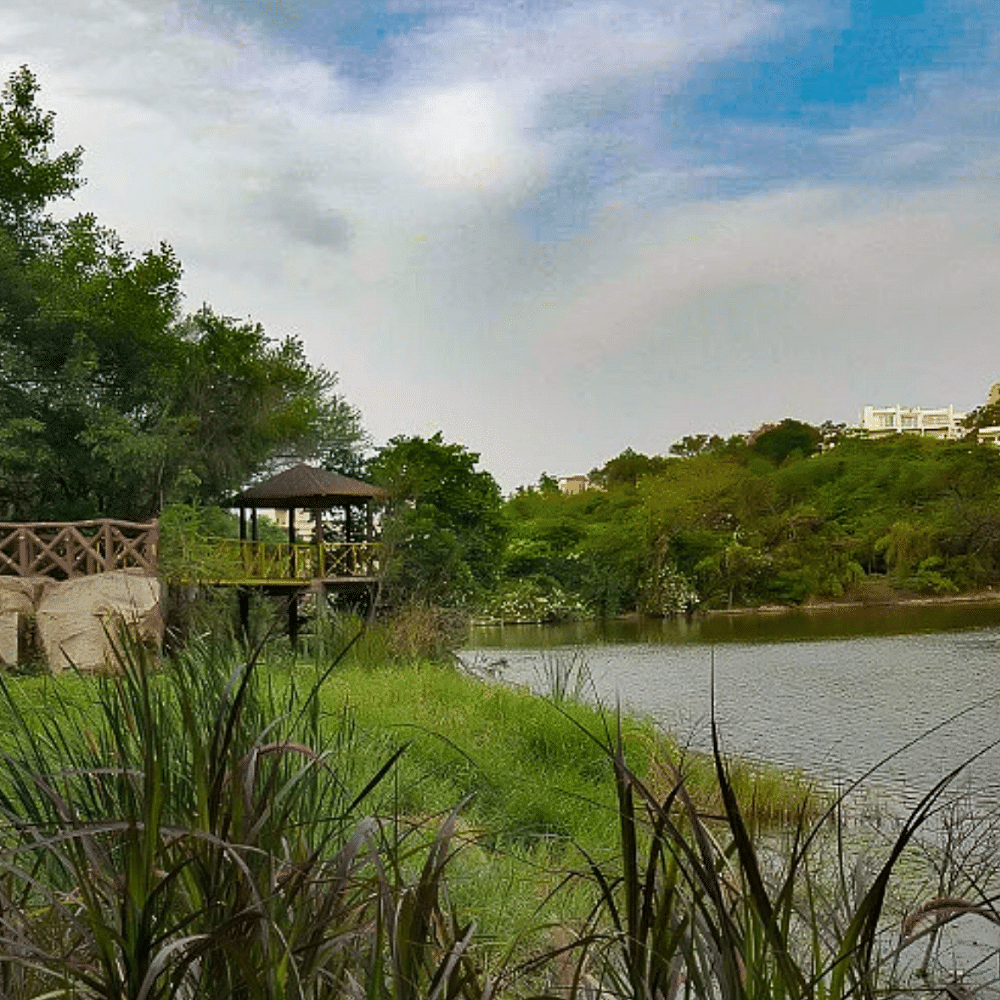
[828, 692]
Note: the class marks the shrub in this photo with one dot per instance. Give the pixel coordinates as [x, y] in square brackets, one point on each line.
[531, 600]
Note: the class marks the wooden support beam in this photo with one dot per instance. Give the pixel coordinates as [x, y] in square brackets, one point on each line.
[293, 619]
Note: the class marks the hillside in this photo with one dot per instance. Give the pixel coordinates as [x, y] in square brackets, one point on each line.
[744, 524]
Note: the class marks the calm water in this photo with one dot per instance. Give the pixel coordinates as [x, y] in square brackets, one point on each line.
[831, 693]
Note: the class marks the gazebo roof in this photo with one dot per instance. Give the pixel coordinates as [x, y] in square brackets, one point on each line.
[307, 487]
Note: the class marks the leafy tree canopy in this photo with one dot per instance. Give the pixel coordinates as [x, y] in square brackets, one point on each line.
[112, 402]
[735, 526]
[788, 438]
[987, 415]
[29, 176]
[627, 468]
[445, 530]
[696, 444]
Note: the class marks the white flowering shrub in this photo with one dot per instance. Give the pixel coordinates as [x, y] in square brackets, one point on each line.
[665, 591]
[531, 601]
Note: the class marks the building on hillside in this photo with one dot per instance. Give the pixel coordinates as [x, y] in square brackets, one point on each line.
[989, 435]
[994, 396]
[574, 484]
[942, 422]
[305, 520]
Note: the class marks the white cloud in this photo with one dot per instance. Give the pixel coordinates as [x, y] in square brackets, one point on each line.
[387, 229]
[469, 136]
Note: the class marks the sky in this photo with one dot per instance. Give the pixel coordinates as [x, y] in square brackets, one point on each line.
[554, 229]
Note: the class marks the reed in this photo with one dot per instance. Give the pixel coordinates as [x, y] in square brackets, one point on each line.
[203, 835]
[698, 905]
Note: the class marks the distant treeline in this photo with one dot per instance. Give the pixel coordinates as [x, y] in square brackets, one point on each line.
[780, 518]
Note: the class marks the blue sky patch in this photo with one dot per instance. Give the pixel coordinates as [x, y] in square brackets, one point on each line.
[866, 54]
[355, 34]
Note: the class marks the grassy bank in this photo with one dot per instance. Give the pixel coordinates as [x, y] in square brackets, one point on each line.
[533, 775]
[286, 829]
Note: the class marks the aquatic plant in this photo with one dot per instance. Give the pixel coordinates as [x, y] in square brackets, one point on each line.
[701, 905]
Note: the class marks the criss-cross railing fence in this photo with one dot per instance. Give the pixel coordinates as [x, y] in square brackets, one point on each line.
[64, 550]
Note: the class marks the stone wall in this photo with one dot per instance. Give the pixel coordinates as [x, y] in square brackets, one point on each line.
[58, 624]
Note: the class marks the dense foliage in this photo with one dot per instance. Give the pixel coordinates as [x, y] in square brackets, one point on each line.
[444, 529]
[112, 401]
[770, 521]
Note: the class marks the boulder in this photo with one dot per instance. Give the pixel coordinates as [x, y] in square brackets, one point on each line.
[79, 621]
[19, 596]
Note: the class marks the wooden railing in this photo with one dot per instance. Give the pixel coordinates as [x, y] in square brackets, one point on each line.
[64, 550]
[234, 561]
[351, 559]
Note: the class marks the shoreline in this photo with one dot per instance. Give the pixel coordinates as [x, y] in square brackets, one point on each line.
[903, 600]
[971, 597]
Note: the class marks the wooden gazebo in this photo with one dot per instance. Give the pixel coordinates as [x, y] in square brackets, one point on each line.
[342, 552]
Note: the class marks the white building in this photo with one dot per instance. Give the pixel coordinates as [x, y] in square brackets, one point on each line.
[944, 422]
[574, 484]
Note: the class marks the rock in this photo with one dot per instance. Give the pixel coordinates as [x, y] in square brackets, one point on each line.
[19, 597]
[79, 620]
[21, 593]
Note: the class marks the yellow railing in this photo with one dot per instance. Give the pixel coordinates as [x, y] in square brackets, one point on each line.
[233, 561]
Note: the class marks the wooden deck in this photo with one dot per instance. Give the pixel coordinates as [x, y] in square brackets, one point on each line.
[65, 550]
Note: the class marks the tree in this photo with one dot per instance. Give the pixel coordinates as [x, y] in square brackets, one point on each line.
[30, 177]
[786, 439]
[696, 444]
[987, 415]
[627, 469]
[111, 401]
[248, 402]
[444, 527]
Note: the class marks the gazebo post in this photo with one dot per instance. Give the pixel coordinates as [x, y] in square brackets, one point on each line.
[318, 542]
[243, 595]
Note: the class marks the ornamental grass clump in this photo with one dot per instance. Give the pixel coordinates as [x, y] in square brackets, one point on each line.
[700, 905]
[205, 838]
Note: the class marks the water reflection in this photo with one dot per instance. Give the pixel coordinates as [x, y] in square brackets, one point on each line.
[798, 624]
[831, 693]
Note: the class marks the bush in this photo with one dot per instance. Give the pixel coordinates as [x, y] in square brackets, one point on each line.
[531, 600]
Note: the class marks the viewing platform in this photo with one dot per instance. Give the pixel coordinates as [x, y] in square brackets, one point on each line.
[341, 562]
